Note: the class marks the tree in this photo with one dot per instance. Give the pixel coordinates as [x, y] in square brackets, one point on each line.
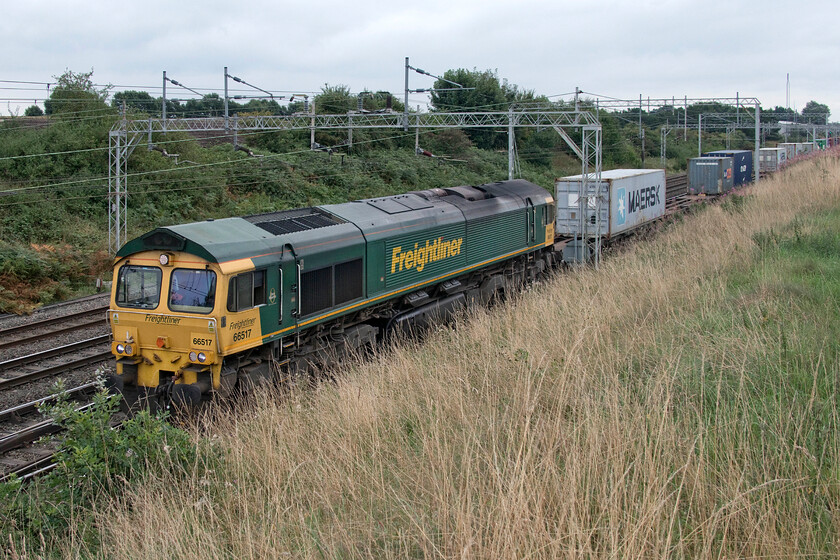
[75, 95]
[816, 113]
[778, 113]
[482, 91]
[210, 105]
[334, 100]
[138, 101]
[33, 111]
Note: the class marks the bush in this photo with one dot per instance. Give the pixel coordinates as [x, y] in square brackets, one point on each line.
[97, 461]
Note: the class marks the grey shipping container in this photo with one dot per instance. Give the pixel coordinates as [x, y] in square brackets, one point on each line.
[772, 159]
[629, 198]
[710, 175]
[742, 164]
[790, 149]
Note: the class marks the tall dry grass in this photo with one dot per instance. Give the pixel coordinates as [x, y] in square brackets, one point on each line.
[602, 414]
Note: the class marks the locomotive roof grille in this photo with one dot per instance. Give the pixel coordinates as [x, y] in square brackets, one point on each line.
[291, 221]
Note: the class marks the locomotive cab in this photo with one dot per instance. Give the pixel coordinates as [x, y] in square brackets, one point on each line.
[164, 320]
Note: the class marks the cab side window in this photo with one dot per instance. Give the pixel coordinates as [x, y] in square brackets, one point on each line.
[246, 291]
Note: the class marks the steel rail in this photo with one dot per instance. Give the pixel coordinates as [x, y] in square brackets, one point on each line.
[32, 406]
[53, 352]
[676, 186]
[31, 434]
[27, 435]
[32, 469]
[28, 377]
[12, 331]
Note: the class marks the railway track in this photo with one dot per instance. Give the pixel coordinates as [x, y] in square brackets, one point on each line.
[21, 452]
[18, 454]
[18, 371]
[41, 329]
[676, 186]
[67, 341]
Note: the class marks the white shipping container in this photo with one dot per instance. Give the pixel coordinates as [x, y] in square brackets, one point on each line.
[629, 198]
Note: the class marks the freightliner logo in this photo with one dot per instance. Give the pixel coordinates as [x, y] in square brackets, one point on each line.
[421, 255]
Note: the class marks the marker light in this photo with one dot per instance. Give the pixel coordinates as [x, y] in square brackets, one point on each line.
[128, 349]
[120, 348]
[202, 357]
[193, 356]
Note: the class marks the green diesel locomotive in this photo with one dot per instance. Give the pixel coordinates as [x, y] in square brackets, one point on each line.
[200, 308]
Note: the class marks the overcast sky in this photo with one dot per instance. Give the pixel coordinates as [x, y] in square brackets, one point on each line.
[659, 49]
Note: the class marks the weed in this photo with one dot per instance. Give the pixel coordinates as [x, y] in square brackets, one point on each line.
[98, 459]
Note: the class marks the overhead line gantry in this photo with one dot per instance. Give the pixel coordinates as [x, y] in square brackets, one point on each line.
[127, 134]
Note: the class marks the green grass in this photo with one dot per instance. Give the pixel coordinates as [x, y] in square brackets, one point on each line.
[764, 379]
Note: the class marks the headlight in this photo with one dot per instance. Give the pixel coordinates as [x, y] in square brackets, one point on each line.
[120, 349]
[201, 357]
[128, 349]
[193, 356]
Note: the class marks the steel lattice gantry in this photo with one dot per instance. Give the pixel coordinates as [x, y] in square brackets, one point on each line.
[125, 135]
[717, 121]
[120, 147]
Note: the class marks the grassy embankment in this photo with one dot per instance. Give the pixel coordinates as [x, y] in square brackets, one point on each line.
[680, 402]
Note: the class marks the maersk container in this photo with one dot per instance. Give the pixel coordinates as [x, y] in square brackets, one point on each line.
[742, 164]
[772, 159]
[710, 175]
[629, 198]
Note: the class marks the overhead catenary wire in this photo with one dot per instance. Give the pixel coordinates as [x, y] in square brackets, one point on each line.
[105, 148]
[140, 88]
[158, 142]
[90, 182]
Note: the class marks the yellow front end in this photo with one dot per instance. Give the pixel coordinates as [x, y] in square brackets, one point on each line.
[165, 346]
[164, 318]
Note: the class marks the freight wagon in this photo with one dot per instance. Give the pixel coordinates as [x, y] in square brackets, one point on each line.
[772, 159]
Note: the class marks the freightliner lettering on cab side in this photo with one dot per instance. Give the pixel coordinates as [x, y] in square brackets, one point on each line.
[419, 256]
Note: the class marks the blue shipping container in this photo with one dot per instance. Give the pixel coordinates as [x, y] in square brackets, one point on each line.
[742, 164]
